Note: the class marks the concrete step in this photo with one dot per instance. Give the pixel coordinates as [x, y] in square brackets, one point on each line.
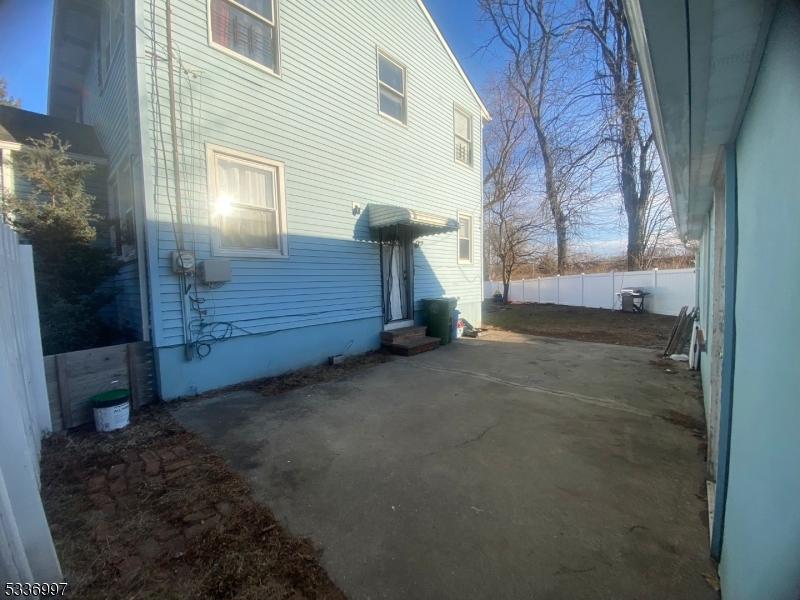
[413, 346]
[394, 336]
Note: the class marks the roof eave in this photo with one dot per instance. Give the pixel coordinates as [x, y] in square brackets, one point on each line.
[698, 64]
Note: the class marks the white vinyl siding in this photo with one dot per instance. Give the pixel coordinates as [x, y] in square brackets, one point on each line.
[462, 127]
[247, 204]
[464, 239]
[391, 88]
[246, 28]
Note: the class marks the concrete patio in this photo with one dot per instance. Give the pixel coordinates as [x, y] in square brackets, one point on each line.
[505, 467]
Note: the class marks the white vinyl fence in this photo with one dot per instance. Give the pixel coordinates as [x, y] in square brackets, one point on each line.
[27, 553]
[669, 289]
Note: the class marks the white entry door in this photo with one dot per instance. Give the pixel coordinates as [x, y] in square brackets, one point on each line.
[397, 269]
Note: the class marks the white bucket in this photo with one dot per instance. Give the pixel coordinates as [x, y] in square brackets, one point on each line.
[111, 418]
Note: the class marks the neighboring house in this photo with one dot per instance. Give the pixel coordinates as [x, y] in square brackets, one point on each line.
[302, 174]
[722, 81]
[17, 128]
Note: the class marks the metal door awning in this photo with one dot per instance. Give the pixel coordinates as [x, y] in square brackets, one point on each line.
[387, 219]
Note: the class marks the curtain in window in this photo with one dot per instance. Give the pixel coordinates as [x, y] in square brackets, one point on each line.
[251, 219]
[221, 22]
[242, 32]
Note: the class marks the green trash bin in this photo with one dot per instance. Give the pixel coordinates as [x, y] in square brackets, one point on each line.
[439, 317]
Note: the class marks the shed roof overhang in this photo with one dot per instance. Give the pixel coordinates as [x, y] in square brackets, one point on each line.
[387, 219]
[74, 37]
[698, 62]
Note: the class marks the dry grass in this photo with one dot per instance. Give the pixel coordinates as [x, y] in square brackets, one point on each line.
[140, 544]
[584, 324]
[248, 555]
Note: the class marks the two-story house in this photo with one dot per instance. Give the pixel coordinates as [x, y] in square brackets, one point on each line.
[297, 175]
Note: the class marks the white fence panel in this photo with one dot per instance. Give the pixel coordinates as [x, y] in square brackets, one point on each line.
[674, 289]
[669, 290]
[598, 290]
[515, 291]
[570, 290]
[548, 289]
[27, 553]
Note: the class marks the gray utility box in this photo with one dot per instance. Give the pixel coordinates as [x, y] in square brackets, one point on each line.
[214, 270]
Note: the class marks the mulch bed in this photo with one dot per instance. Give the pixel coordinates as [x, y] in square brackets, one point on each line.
[584, 324]
[151, 512]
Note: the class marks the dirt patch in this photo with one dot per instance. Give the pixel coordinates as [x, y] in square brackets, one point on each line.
[271, 386]
[584, 324]
[696, 426]
[151, 512]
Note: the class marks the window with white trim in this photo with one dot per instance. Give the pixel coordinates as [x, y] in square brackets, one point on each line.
[462, 127]
[247, 28]
[248, 205]
[391, 88]
[464, 238]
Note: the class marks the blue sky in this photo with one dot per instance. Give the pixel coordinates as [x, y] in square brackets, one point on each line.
[25, 46]
[25, 42]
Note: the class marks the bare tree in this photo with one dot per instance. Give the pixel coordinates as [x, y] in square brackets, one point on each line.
[536, 36]
[512, 221]
[627, 128]
[508, 153]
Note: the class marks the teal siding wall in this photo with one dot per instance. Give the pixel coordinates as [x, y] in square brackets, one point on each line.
[761, 543]
[320, 118]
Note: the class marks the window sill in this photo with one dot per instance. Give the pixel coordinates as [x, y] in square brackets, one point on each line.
[247, 61]
[249, 253]
[391, 119]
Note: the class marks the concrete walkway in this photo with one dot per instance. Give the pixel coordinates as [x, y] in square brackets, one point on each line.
[504, 467]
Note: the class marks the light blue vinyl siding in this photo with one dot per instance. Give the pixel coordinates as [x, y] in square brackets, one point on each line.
[320, 119]
[126, 286]
[108, 108]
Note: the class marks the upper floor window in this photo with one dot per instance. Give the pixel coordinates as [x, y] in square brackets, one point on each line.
[462, 126]
[248, 204]
[464, 238]
[391, 88]
[247, 28]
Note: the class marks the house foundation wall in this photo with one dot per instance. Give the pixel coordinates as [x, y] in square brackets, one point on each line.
[250, 357]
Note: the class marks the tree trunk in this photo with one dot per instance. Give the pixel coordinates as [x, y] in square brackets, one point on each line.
[635, 245]
[553, 199]
[508, 268]
[561, 237]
